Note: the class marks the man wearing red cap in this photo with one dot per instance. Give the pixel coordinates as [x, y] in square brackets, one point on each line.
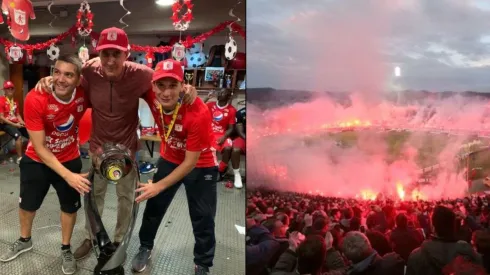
[114, 86]
[10, 119]
[186, 156]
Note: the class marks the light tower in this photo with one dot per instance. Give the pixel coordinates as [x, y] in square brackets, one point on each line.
[398, 73]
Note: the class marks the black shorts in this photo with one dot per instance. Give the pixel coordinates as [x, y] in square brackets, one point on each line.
[14, 132]
[35, 180]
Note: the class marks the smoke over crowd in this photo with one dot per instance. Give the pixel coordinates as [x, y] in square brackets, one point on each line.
[289, 147]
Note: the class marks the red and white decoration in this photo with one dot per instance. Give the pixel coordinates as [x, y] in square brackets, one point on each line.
[15, 53]
[178, 51]
[84, 15]
[231, 48]
[53, 52]
[83, 54]
[181, 21]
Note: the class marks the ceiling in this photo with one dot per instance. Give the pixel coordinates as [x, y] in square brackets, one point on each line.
[150, 20]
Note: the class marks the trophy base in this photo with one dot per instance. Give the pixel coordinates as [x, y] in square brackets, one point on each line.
[116, 271]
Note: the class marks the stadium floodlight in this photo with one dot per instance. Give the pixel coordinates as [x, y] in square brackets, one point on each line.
[398, 71]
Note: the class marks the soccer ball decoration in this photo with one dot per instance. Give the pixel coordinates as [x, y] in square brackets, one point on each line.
[140, 58]
[53, 52]
[15, 53]
[196, 48]
[196, 60]
[231, 49]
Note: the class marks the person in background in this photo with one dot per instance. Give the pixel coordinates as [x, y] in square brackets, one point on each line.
[439, 252]
[224, 119]
[365, 260]
[403, 238]
[10, 119]
[239, 146]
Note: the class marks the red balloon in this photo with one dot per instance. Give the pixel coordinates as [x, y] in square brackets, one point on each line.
[85, 126]
[239, 61]
[173, 40]
[183, 62]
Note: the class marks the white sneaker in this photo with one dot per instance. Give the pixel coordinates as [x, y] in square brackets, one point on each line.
[18, 160]
[238, 181]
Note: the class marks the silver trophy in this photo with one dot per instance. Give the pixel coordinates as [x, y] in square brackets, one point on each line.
[113, 162]
[188, 77]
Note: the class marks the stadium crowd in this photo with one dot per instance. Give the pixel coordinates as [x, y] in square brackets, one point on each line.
[293, 233]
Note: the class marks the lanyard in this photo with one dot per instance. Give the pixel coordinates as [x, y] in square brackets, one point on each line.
[11, 104]
[166, 133]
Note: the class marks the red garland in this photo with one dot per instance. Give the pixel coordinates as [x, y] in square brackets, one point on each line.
[188, 42]
[40, 46]
[186, 18]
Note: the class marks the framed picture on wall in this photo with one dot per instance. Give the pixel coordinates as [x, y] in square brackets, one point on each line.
[214, 73]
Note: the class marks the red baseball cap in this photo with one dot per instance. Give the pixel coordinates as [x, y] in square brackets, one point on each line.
[168, 68]
[113, 38]
[8, 84]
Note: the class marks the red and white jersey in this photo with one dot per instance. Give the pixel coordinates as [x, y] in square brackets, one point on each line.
[19, 12]
[58, 119]
[9, 109]
[222, 117]
[191, 132]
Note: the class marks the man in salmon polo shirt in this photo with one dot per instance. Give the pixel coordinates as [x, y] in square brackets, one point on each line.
[52, 158]
[114, 86]
[186, 156]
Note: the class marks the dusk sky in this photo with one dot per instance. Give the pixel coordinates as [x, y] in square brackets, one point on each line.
[346, 45]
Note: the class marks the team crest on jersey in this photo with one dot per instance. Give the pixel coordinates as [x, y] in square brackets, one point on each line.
[20, 17]
[53, 107]
[218, 115]
[64, 125]
[80, 108]
[178, 127]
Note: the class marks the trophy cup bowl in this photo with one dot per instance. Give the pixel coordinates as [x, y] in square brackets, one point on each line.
[112, 162]
[188, 77]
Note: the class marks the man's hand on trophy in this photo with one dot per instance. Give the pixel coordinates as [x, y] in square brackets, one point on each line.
[44, 85]
[79, 182]
[148, 191]
[190, 94]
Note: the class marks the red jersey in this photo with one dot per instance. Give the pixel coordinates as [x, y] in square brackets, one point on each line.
[222, 117]
[58, 119]
[191, 132]
[9, 109]
[19, 12]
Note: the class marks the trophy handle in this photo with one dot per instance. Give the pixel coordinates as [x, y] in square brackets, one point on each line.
[110, 259]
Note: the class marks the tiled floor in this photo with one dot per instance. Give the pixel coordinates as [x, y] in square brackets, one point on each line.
[173, 252]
